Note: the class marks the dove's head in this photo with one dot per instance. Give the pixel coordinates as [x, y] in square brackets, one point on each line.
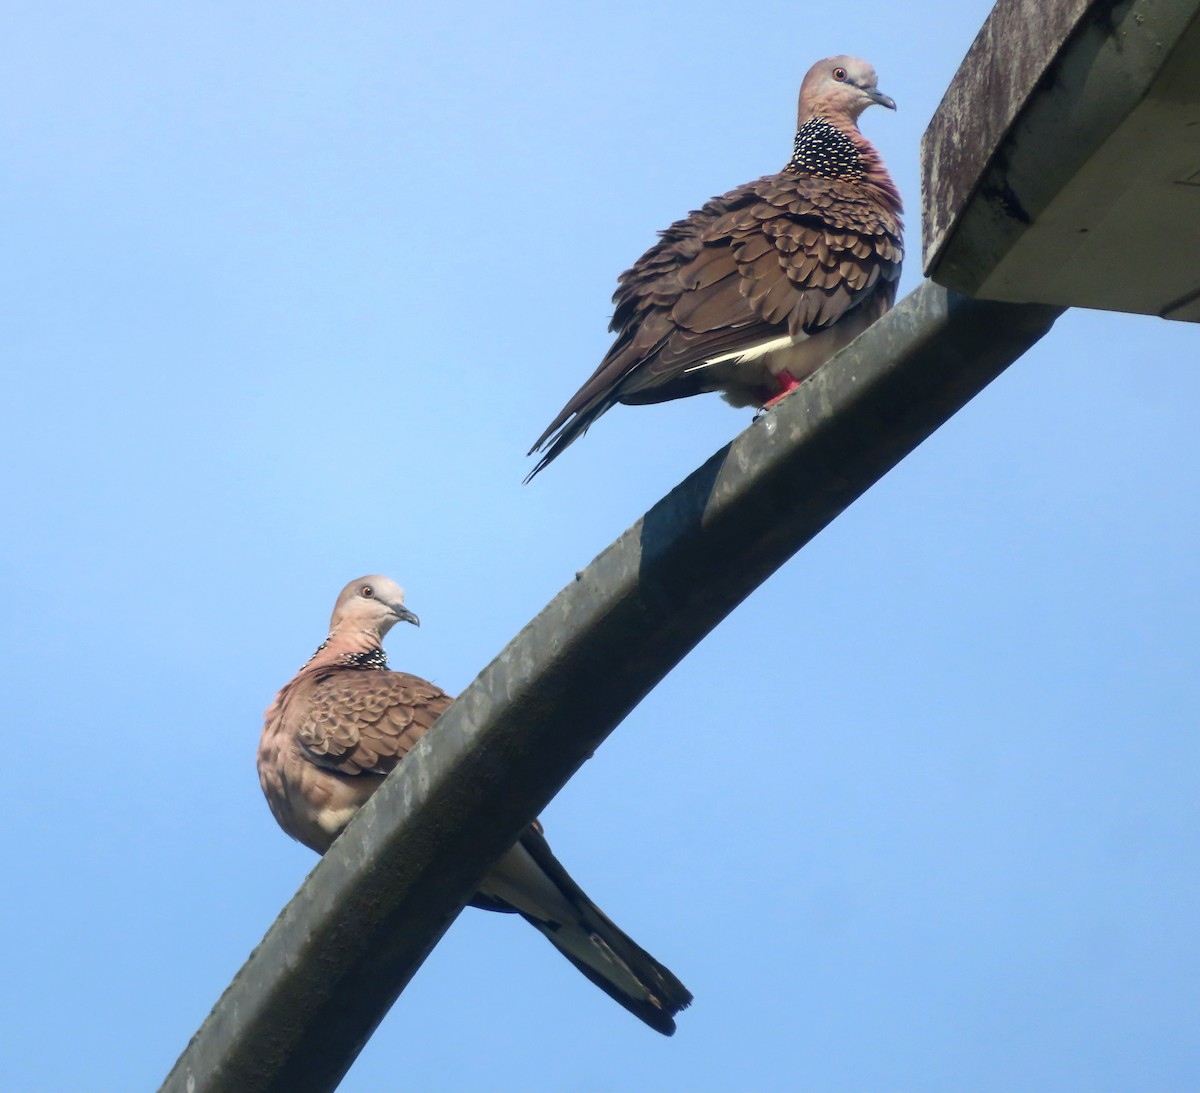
[373, 604]
[840, 87]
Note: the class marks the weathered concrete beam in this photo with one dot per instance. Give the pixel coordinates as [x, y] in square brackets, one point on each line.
[1063, 164]
[299, 1011]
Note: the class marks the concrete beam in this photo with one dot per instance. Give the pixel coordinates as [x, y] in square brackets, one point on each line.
[1063, 164]
[299, 1011]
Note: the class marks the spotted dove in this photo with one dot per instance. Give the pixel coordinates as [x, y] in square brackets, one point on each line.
[345, 720]
[752, 293]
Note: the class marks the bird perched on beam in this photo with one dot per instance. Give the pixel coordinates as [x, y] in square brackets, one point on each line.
[752, 293]
[345, 720]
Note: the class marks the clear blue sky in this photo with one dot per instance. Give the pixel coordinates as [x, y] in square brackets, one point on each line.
[288, 292]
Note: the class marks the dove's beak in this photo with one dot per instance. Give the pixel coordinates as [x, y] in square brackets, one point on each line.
[882, 99]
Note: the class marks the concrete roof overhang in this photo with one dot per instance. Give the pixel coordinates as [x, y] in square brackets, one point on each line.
[1063, 164]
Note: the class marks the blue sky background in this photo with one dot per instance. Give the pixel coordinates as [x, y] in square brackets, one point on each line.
[288, 292]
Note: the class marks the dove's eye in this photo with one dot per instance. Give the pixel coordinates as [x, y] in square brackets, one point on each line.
[366, 592]
[839, 73]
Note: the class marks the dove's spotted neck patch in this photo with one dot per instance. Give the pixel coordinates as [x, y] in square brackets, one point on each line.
[824, 150]
[370, 658]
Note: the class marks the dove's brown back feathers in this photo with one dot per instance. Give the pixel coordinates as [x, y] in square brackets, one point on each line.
[347, 728]
[364, 722]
